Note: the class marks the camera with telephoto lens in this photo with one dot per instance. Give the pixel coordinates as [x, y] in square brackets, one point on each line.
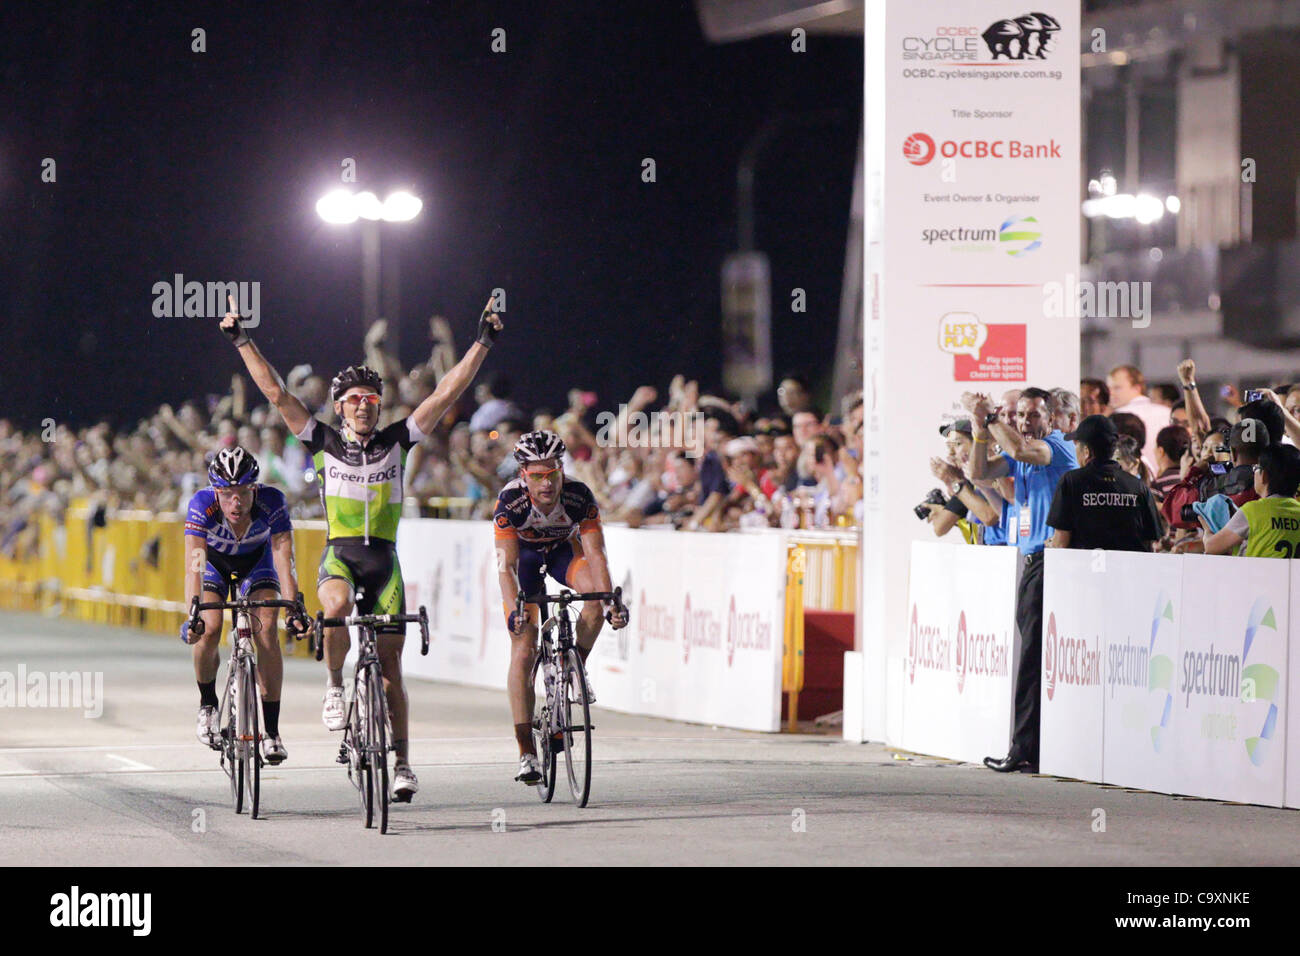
[935, 497]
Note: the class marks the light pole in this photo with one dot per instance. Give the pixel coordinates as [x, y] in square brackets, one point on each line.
[342, 207]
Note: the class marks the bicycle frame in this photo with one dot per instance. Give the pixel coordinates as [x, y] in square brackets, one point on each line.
[366, 742]
[241, 704]
[556, 641]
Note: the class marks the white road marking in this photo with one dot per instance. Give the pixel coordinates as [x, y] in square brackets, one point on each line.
[131, 764]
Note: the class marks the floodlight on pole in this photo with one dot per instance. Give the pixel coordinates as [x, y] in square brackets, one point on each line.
[337, 207]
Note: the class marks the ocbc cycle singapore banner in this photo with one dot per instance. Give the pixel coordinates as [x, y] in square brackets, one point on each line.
[1169, 673]
[704, 643]
[973, 169]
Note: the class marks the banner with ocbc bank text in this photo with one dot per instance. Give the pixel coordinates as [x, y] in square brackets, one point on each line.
[704, 643]
[958, 678]
[973, 171]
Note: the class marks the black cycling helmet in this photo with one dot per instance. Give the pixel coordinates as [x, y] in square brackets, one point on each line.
[233, 466]
[538, 446]
[354, 376]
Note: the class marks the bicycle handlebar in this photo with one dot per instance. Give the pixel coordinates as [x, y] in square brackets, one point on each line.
[565, 598]
[243, 603]
[370, 620]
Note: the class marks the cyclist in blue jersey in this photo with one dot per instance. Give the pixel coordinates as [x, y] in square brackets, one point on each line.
[238, 538]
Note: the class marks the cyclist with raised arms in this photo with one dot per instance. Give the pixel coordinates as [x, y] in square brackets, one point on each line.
[546, 523]
[238, 538]
[361, 468]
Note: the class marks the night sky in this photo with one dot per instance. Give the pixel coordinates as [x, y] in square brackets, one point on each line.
[210, 164]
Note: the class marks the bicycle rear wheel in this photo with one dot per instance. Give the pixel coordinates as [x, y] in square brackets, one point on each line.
[378, 713]
[252, 745]
[572, 695]
[541, 735]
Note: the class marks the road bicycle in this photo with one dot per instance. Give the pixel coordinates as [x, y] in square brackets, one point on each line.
[241, 701]
[367, 735]
[562, 720]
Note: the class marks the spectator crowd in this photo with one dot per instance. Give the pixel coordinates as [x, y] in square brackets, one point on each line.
[724, 466]
[1199, 467]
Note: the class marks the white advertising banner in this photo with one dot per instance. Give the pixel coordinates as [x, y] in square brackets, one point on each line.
[1230, 678]
[1075, 600]
[1144, 613]
[705, 640]
[973, 175]
[704, 643]
[450, 568]
[958, 672]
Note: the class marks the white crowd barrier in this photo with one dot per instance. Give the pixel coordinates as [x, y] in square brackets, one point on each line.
[705, 639]
[1170, 673]
[1159, 672]
[959, 667]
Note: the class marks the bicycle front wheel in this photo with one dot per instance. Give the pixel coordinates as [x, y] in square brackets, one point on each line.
[252, 744]
[360, 730]
[576, 727]
[228, 725]
[378, 714]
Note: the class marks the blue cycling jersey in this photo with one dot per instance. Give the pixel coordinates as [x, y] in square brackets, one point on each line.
[270, 515]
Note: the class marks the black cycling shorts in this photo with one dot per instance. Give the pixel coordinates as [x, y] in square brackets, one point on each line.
[374, 574]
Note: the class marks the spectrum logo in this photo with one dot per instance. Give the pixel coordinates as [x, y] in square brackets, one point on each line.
[1262, 678]
[1068, 660]
[919, 149]
[1018, 237]
[1160, 671]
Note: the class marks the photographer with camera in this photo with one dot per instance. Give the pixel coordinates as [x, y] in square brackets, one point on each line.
[1269, 526]
[964, 501]
[1225, 467]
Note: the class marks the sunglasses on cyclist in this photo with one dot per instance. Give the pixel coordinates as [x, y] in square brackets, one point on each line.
[369, 398]
[542, 475]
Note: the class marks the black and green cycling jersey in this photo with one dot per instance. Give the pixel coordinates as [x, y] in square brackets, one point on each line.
[360, 485]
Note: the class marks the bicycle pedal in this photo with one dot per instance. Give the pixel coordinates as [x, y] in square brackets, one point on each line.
[343, 755]
[402, 796]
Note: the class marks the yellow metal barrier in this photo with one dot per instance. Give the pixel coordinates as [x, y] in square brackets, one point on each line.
[821, 575]
[792, 656]
[128, 571]
[832, 581]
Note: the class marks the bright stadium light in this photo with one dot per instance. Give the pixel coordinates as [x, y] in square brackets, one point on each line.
[368, 206]
[337, 207]
[401, 206]
[1147, 209]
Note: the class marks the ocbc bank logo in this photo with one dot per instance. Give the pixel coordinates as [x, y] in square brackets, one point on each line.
[959, 652]
[1068, 660]
[926, 647]
[1049, 656]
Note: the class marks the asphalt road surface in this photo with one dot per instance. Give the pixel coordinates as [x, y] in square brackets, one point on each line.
[133, 786]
